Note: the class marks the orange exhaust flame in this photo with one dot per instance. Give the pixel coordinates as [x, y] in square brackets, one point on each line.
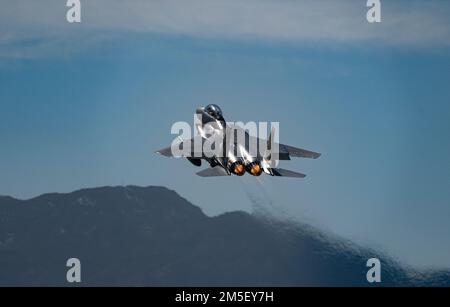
[256, 170]
[239, 169]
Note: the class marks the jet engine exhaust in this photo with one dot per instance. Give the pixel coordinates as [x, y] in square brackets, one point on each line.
[255, 169]
[237, 168]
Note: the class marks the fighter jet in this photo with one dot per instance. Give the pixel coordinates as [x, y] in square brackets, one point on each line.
[232, 150]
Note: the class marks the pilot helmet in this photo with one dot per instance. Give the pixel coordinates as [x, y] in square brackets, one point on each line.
[214, 110]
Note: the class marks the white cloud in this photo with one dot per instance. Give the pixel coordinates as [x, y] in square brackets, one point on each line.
[411, 23]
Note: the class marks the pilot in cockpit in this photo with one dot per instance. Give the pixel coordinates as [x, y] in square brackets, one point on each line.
[214, 111]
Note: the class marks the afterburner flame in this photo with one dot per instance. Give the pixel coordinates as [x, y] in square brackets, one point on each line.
[239, 169]
[256, 170]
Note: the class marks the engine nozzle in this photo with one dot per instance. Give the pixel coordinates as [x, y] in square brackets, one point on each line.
[255, 169]
[237, 168]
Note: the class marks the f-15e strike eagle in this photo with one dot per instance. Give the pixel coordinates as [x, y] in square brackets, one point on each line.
[230, 149]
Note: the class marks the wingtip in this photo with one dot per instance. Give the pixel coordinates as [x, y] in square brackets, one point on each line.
[162, 152]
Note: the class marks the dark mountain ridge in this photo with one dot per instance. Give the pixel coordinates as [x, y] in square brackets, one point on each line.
[150, 236]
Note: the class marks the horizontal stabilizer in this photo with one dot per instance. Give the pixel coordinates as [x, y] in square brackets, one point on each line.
[281, 172]
[213, 172]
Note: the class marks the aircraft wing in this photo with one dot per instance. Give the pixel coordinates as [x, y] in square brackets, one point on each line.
[280, 172]
[189, 143]
[216, 171]
[167, 152]
[285, 151]
[298, 152]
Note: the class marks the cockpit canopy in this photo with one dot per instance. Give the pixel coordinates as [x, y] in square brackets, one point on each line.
[214, 110]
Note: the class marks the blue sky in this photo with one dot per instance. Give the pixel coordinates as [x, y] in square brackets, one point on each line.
[88, 106]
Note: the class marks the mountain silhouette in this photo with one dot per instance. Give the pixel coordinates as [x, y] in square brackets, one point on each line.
[150, 236]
